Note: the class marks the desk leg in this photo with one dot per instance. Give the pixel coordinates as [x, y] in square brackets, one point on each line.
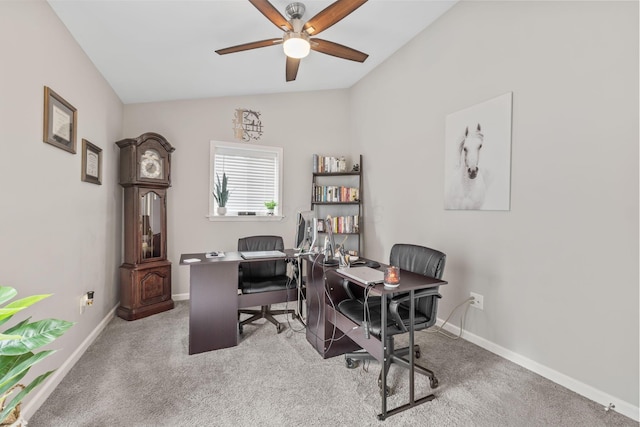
[383, 390]
[300, 303]
[412, 401]
[213, 306]
[412, 321]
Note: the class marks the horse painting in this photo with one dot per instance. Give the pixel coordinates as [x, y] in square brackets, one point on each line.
[467, 187]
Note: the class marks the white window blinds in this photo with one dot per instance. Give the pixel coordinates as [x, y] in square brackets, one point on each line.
[253, 174]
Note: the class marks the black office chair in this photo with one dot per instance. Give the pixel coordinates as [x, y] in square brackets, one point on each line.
[268, 278]
[417, 259]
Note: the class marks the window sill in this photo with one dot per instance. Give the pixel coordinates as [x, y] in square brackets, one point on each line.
[244, 218]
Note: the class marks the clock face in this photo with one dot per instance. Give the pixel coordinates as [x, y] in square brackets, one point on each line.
[151, 165]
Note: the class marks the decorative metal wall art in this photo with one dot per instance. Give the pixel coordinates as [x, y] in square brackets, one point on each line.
[247, 125]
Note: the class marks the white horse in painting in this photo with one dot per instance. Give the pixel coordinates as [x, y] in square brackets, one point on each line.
[467, 187]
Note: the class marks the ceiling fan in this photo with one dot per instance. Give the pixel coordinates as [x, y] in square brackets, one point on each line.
[297, 39]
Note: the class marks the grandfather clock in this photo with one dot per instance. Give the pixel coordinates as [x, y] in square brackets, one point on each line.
[145, 275]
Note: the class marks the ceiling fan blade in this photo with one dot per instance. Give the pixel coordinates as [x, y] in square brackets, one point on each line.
[330, 15]
[292, 68]
[272, 14]
[338, 50]
[249, 46]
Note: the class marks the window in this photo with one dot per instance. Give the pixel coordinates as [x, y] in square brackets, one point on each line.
[254, 174]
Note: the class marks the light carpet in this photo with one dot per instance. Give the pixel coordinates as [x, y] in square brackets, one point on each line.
[139, 374]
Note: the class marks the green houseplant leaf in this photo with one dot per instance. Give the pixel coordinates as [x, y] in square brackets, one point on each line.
[10, 309]
[7, 293]
[33, 335]
[222, 193]
[17, 344]
[14, 368]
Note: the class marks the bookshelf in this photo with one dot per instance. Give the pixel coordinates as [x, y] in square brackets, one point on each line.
[337, 191]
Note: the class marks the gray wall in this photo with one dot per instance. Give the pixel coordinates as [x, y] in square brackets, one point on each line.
[300, 123]
[58, 234]
[559, 272]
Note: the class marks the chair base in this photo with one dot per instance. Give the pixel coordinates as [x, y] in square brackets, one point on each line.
[393, 356]
[264, 313]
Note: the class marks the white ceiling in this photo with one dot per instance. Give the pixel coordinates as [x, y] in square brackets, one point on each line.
[153, 50]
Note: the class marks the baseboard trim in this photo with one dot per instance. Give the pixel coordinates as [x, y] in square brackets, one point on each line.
[47, 388]
[180, 297]
[621, 406]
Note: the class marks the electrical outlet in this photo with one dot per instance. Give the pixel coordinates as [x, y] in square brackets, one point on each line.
[83, 303]
[478, 301]
[86, 300]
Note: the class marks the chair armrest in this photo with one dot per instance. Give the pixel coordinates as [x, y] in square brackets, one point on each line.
[347, 289]
[397, 300]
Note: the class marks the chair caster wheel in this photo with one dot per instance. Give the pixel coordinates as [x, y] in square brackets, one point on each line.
[279, 328]
[418, 354]
[433, 382]
[351, 364]
[240, 329]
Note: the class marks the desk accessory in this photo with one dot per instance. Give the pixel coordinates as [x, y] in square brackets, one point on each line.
[392, 277]
[214, 254]
[329, 245]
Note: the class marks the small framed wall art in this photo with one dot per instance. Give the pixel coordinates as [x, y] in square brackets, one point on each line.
[91, 163]
[60, 121]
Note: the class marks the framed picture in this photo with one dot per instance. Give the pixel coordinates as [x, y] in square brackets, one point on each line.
[60, 121]
[478, 156]
[91, 163]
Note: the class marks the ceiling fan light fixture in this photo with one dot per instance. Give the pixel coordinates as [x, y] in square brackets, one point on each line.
[296, 45]
[295, 10]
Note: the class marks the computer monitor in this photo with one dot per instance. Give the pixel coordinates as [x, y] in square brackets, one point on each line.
[306, 231]
[329, 255]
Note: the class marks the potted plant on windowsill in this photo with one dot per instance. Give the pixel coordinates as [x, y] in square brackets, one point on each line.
[270, 206]
[16, 352]
[221, 194]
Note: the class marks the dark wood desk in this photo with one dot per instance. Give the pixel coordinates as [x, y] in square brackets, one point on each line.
[321, 333]
[325, 291]
[214, 300]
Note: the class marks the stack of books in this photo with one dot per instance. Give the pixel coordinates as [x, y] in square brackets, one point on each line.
[334, 193]
[328, 164]
[340, 224]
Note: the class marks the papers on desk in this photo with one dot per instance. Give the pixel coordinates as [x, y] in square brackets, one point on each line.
[214, 254]
[191, 260]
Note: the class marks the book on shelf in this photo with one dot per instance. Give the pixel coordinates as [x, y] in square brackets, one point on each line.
[334, 193]
[340, 224]
[329, 164]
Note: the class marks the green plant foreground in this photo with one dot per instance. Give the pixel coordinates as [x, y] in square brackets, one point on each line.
[17, 344]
